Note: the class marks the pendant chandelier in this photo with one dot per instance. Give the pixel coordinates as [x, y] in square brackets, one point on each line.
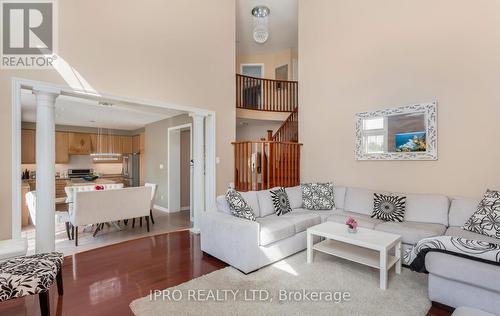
[260, 29]
[105, 150]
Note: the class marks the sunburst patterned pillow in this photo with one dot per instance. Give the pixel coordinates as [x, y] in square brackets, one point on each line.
[389, 208]
[280, 201]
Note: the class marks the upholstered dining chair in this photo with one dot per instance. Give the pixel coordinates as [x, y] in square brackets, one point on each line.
[154, 188]
[62, 217]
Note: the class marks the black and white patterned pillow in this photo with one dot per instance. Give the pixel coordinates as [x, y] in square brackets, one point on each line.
[486, 219]
[318, 196]
[389, 208]
[239, 207]
[280, 201]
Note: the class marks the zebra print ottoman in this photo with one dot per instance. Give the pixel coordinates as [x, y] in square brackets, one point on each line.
[31, 275]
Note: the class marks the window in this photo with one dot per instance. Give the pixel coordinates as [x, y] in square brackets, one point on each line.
[375, 135]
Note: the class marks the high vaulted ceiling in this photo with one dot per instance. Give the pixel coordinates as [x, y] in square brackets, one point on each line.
[282, 22]
[73, 111]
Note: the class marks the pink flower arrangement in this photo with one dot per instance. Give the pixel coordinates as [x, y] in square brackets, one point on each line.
[351, 222]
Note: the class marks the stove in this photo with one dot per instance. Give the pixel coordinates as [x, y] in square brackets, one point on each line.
[79, 173]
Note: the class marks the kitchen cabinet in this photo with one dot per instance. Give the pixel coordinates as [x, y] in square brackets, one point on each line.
[127, 144]
[136, 144]
[79, 144]
[28, 146]
[62, 147]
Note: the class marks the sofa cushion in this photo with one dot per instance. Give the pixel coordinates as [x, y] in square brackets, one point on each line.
[302, 221]
[459, 232]
[251, 198]
[461, 210]
[389, 208]
[486, 220]
[360, 200]
[339, 196]
[318, 196]
[363, 220]
[222, 205]
[265, 203]
[426, 208]
[322, 214]
[274, 228]
[281, 203]
[238, 205]
[294, 196]
[412, 232]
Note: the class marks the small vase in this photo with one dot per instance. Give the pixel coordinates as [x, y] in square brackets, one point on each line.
[352, 230]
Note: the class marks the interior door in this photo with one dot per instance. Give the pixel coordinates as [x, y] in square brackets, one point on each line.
[251, 87]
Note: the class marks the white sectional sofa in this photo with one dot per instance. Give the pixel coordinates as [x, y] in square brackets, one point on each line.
[248, 245]
[456, 281]
[453, 281]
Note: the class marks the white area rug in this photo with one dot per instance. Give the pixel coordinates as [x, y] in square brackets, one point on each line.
[406, 293]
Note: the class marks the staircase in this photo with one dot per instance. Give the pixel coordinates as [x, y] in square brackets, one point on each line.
[264, 164]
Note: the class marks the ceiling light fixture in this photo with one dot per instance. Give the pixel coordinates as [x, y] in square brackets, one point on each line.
[260, 30]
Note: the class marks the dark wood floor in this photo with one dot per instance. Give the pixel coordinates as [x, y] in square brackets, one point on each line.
[105, 281]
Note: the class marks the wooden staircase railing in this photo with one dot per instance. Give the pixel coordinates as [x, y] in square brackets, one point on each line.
[261, 165]
[266, 94]
[289, 130]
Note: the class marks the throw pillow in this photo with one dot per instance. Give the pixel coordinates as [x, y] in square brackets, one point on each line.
[389, 208]
[318, 196]
[486, 219]
[239, 207]
[280, 201]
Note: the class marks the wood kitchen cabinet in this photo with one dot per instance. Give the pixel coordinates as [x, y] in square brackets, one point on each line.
[136, 144]
[127, 144]
[79, 144]
[28, 146]
[62, 147]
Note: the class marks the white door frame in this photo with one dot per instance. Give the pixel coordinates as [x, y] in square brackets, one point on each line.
[19, 83]
[254, 64]
[170, 200]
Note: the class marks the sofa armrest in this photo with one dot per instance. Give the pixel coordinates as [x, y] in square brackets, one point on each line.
[451, 267]
[231, 239]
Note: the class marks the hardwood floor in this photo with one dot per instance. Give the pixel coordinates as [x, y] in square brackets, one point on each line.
[106, 280]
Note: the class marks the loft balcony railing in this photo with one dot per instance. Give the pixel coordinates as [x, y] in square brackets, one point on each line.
[261, 165]
[266, 94]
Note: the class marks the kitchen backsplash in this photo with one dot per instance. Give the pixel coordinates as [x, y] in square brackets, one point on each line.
[83, 162]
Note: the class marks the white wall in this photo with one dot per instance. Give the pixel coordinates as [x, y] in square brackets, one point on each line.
[177, 51]
[366, 55]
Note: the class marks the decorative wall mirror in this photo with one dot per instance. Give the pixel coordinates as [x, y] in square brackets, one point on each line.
[407, 132]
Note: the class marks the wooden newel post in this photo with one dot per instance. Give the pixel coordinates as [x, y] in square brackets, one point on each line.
[270, 135]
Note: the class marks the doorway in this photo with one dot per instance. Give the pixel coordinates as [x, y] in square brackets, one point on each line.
[202, 148]
[180, 169]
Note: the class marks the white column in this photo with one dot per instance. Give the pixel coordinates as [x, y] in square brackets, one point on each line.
[45, 170]
[198, 171]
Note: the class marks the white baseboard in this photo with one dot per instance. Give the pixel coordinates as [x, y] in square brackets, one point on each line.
[161, 208]
[185, 208]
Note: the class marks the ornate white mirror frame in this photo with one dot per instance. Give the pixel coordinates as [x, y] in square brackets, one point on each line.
[429, 109]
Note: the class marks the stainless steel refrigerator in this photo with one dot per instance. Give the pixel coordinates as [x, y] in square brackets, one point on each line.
[131, 169]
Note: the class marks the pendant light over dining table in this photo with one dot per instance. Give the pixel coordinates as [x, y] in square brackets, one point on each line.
[105, 150]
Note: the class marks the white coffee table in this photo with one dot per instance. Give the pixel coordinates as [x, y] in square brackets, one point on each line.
[366, 246]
